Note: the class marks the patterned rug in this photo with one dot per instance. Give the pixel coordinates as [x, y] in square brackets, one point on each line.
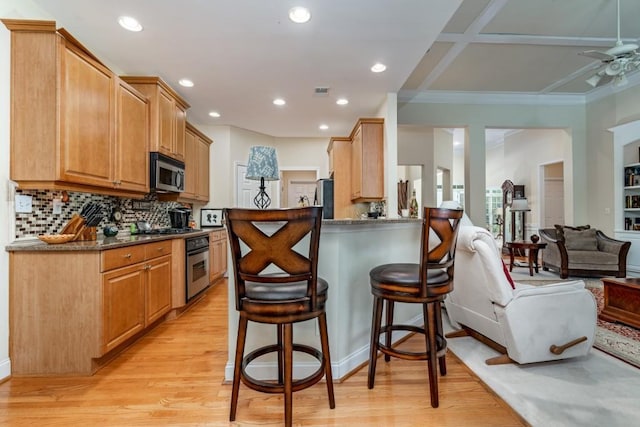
[616, 339]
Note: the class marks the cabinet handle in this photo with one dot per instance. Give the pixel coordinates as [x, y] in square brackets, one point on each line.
[147, 267]
[127, 256]
[160, 249]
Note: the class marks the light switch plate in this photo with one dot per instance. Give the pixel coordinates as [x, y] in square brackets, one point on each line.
[23, 203]
[57, 206]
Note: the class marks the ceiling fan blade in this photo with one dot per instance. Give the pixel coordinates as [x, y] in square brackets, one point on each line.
[602, 56]
[605, 80]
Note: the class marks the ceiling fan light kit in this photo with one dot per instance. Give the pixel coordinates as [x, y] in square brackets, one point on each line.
[617, 61]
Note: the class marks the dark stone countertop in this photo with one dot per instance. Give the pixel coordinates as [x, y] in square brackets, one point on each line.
[369, 221]
[101, 244]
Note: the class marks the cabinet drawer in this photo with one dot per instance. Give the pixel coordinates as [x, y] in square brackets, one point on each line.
[218, 235]
[121, 257]
[154, 250]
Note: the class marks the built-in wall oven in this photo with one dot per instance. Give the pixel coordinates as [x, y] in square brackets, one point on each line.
[197, 265]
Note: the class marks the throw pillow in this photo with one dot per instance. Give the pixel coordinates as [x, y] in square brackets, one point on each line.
[581, 240]
[560, 230]
[508, 275]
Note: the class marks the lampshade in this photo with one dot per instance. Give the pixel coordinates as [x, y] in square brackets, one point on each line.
[520, 205]
[263, 163]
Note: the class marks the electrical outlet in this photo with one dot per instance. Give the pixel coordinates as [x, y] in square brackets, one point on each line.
[23, 203]
[57, 206]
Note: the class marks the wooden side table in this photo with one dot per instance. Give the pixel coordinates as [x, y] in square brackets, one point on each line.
[532, 249]
[621, 301]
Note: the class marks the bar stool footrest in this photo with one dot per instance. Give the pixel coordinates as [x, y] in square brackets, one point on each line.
[441, 343]
[273, 386]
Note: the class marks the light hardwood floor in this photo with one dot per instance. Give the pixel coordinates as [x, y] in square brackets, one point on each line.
[174, 376]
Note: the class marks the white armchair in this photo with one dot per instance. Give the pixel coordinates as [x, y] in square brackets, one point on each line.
[527, 324]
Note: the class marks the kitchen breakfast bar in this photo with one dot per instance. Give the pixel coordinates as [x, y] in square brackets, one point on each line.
[349, 249]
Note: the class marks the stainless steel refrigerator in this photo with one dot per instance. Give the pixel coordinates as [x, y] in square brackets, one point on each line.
[324, 197]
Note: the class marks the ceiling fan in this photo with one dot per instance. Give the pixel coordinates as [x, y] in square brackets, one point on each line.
[617, 61]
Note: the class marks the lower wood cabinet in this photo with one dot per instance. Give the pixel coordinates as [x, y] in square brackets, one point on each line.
[72, 310]
[136, 295]
[217, 255]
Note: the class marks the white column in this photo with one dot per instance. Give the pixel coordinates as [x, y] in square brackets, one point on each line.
[475, 174]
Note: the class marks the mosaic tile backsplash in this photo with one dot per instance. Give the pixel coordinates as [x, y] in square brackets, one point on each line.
[42, 220]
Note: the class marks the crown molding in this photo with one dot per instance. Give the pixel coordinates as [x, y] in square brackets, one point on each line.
[491, 98]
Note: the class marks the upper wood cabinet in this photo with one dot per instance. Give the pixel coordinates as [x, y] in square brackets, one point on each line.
[168, 115]
[70, 117]
[367, 160]
[340, 170]
[196, 166]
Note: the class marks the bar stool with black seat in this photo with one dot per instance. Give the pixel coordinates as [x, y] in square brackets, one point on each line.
[426, 283]
[277, 284]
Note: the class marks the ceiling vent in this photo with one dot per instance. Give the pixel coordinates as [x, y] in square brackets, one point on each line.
[321, 91]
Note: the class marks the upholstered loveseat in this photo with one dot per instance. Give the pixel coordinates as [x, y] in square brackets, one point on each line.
[583, 251]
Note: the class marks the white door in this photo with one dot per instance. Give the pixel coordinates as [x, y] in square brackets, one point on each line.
[246, 189]
[553, 202]
[300, 189]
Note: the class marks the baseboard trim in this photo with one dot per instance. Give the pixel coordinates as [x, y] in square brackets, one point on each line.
[5, 369]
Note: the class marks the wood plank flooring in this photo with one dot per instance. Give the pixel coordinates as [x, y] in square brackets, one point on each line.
[174, 376]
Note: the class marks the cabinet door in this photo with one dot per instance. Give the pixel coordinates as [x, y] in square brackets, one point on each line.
[190, 166]
[372, 183]
[86, 121]
[158, 300]
[202, 189]
[356, 165]
[123, 305]
[218, 249]
[166, 123]
[132, 140]
[180, 116]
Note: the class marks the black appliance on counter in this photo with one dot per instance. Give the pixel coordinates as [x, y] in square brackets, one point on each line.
[324, 197]
[166, 230]
[179, 217]
[166, 175]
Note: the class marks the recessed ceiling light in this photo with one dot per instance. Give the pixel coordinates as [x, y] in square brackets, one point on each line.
[129, 23]
[214, 114]
[378, 67]
[342, 101]
[185, 82]
[299, 15]
[323, 127]
[279, 101]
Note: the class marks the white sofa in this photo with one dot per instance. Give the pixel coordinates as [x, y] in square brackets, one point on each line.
[526, 321]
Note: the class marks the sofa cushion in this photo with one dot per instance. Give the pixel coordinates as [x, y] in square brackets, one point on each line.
[591, 260]
[581, 240]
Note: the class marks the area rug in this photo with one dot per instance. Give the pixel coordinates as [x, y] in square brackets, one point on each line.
[616, 339]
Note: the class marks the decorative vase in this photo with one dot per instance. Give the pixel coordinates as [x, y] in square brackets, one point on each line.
[413, 206]
[534, 238]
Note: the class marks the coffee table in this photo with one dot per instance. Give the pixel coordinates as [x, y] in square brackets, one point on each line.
[532, 249]
[621, 301]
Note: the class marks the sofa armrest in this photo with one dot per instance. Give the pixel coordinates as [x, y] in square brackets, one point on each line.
[556, 252]
[607, 244]
[555, 288]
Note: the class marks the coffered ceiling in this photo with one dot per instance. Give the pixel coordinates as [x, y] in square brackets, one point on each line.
[242, 54]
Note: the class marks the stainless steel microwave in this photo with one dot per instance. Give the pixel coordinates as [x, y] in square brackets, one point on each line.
[167, 174]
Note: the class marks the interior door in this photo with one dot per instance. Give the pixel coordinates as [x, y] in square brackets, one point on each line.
[553, 202]
[246, 189]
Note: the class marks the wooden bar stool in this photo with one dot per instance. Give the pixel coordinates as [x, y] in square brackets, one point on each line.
[426, 283]
[278, 285]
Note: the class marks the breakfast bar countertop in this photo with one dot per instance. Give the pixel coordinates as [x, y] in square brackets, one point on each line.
[101, 244]
[369, 221]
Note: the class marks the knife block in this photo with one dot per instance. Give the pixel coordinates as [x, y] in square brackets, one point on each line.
[86, 233]
[77, 227]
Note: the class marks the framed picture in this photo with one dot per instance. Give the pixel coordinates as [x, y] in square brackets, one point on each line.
[211, 217]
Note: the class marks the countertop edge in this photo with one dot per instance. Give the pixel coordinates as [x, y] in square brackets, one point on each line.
[101, 244]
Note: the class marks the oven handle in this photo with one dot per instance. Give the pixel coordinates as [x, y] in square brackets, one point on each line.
[198, 251]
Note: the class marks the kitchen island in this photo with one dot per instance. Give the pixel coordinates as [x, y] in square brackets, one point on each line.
[349, 249]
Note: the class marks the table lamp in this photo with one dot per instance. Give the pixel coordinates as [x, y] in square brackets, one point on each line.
[263, 166]
[518, 205]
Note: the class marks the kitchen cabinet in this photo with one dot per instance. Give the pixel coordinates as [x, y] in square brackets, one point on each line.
[217, 255]
[196, 165]
[168, 115]
[70, 116]
[367, 160]
[136, 294]
[340, 170]
[72, 310]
